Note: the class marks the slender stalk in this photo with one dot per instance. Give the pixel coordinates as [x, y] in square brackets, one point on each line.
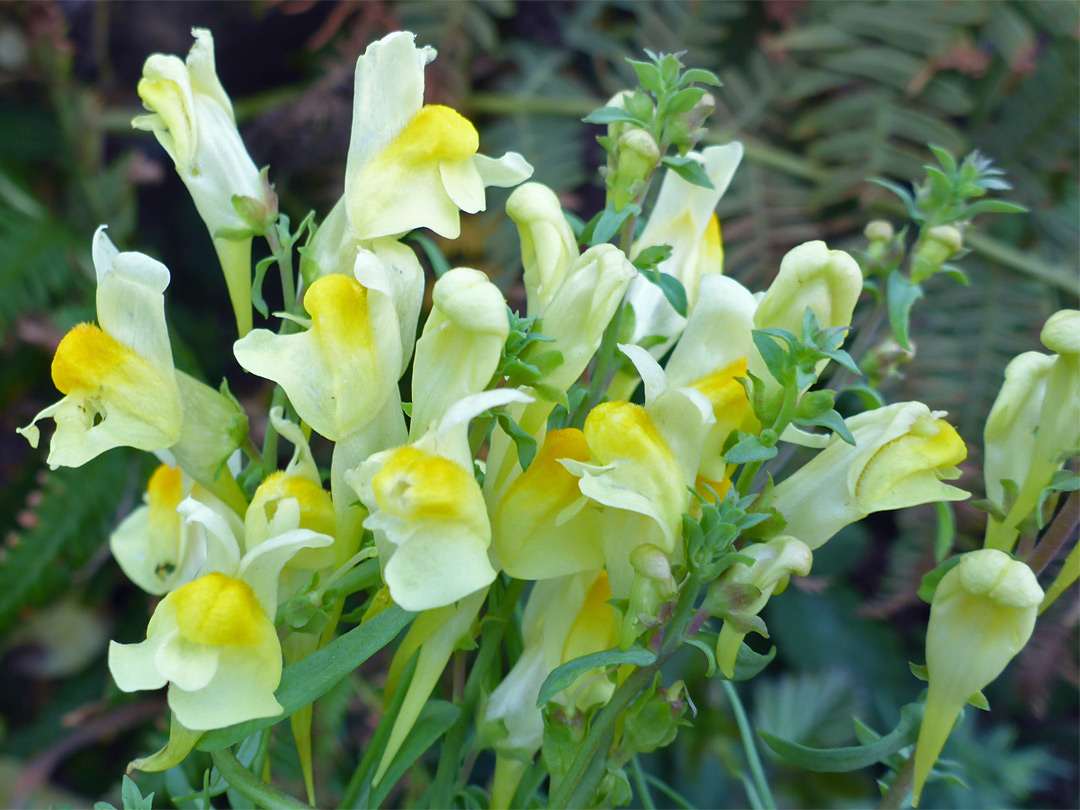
[252, 787]
[1059, 532]
[643, 787]
[450, 771]
[900, 788]
[749, 746]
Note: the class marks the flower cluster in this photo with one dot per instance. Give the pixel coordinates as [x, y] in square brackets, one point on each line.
[605, 444]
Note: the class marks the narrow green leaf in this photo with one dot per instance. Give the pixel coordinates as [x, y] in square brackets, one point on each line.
[610, 222]
[688, 169]
[435, 720]
[833, 421]
[439, 264]
[931, 579]
[311, 678]
[610, 115]
[990, 207]
[672, 289]
[132, 796]
[701, 75]
[526, 444]
[748, 449]
[902, 295]
[947, 161]
[684, 100]
[852, 758]
[562, 677]
[901, 192]
[946, 531]
[257, 299]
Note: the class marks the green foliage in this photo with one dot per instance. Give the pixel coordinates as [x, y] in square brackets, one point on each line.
[68, 524]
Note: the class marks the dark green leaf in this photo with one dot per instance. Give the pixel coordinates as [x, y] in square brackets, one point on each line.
[672, 289]
[562, 677]
[931, 579]
[610, 222]
[133, 798]
[652, 256]
[257, 299]
[684, 100]
[749, 664]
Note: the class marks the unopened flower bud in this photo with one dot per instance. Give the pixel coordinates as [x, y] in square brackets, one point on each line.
[651, 562]
[636, 158]
[935, 247]
[879, 230]
[982, 615]
[750, 587]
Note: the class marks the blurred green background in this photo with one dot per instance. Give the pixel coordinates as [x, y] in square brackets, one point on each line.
[823, 94]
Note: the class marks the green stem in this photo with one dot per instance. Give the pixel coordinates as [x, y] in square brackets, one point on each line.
[643, 787]
[749, 745]
[900, 788]
[579, 784]
[449, 772]
[252, 787]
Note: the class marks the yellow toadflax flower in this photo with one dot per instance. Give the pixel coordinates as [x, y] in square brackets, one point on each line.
[118, 380]
[982, 614]
[154, 546]
[461, 345]
[427, 512]
[565, 618]
[413, 165]
[192, 118]
[213, 639]
[683, 218]
[340, 373]
[901, 454]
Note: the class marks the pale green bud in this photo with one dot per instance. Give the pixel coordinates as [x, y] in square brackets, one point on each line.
[811, 275]
[982, 615]
[935, 247]
[460, 348]
[548, 246]
[213, 427]
[743, 590]
[582, 307]
[1011, 427]
[879, 230]
[1061, 332]
[637, 157]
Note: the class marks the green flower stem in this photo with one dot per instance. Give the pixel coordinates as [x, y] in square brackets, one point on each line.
[449, 773]
[749, 746]
[252, 787]
[1057, 535]
[282, 252]
[900, 789]
[579, 785]
[644, 794]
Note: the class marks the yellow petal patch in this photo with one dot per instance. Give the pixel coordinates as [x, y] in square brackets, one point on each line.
[316, 506]
[219, 610]
[165, 98]
[546, 487]
[624, 430]
[166, 488]
[712, 244]
[87, 359]
[435, 133]
[730, 404]
[338, 306]
[932, 444]
[594, 628]
[413, 485]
